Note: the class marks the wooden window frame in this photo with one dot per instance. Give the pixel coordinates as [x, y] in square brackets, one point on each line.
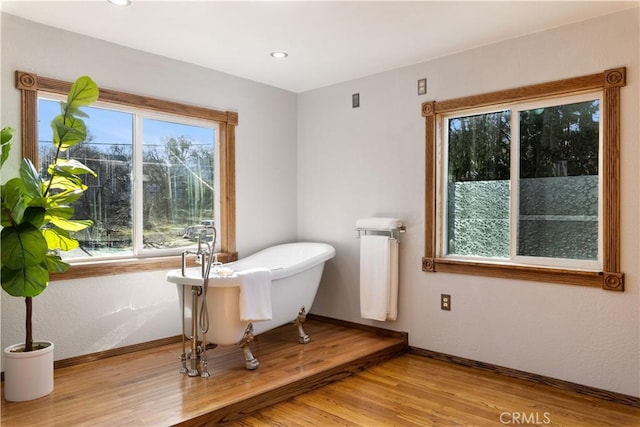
[611, 278]
[30, 84]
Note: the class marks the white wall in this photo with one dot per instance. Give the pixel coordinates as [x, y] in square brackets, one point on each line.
[351, 163]
[369, 161]
[88, 315]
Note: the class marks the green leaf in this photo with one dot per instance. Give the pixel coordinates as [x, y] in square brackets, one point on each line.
[5, 139]
[72, 182]
[30, 179]
[56, 265]
[83, 92]
[79, 113]
[25, 282]
[26, 209]
[65, 212]
[35, 215]
[70, 168]
[66, 197]
[69, 224]
[37, 202]
[6, 134]
[14, 202]
[5, 219]
[68, 131]
[22, 246]
[57, 238]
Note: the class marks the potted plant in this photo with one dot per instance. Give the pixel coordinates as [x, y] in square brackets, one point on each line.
[36, 226]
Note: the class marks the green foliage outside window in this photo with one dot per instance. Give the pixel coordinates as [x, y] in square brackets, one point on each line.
[557, 186]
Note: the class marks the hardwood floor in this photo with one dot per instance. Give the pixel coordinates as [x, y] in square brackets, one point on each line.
[412, 390]
[343, 377]
[145, 389]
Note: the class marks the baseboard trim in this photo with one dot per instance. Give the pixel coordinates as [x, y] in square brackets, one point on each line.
[77, 360]
[540, 379]
[353, 325]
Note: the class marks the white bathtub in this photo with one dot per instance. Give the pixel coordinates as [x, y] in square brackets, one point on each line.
[296, 269]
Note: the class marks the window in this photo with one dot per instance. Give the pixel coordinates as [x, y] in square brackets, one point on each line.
[524, 183]
[175, 180]
[165, 176]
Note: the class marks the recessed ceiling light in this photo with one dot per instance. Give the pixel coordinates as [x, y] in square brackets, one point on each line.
[120, 2]
[279, 55]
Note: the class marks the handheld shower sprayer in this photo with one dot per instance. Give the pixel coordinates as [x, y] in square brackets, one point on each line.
[199, 321]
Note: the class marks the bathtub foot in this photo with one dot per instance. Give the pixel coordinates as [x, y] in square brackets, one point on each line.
[250, 362]
[299, 322]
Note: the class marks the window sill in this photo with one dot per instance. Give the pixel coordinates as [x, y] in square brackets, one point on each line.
[609, 281]
[81, 270]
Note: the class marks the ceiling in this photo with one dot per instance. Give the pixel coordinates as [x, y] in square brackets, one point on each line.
[327, 42]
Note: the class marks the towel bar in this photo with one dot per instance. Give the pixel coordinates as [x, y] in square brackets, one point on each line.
[394, 233]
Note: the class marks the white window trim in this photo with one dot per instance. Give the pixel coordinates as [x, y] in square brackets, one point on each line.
[593, 265]
[442, 170]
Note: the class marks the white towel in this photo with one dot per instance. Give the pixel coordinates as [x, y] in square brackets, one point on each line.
[379, 223]
[255, 295]
[392, 308]
[378, 277]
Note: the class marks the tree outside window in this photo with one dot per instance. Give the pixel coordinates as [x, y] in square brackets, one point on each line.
[177, 194]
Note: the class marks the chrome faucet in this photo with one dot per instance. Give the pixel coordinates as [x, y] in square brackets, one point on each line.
[204, 254]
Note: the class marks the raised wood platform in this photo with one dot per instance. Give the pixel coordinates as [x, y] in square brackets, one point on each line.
[145, 389]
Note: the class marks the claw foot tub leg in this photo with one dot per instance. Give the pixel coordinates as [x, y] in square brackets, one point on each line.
[299, 322]
[250, 362]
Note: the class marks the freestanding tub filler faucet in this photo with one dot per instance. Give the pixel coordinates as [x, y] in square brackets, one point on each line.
[199, 320]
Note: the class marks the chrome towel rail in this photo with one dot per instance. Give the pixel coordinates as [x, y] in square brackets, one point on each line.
[393, 233]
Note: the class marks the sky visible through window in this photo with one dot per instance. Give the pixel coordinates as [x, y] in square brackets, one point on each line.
[177, 181]
[114, 127]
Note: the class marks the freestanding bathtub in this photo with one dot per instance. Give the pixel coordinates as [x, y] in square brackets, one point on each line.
[296, 269]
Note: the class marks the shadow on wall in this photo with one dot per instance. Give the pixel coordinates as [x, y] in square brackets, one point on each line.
[339, 271]
[133, 325]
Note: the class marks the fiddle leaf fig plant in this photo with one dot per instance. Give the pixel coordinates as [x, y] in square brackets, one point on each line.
[37, 211]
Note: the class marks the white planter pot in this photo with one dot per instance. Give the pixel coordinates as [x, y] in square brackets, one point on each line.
[28, 375]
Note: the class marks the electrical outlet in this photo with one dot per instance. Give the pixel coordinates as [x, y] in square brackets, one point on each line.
[445, 302]
[422, 87]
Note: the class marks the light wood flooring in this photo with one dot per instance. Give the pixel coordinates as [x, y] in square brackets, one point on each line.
[412, 390]
[145, 388]
[343, 377]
